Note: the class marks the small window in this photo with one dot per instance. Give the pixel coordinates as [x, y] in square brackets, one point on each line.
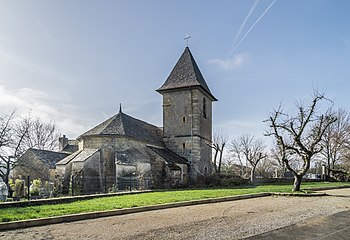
[184, 119]
[184, 145]
[204, 108]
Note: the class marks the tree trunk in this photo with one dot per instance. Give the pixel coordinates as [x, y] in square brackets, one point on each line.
[220, 162]
[252, 175]
[297, 182]
[215, 161]
[328, 170]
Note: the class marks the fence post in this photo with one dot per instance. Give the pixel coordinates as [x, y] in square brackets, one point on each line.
[105, 184]
[130, 183]
[72, 185]
[28, 187]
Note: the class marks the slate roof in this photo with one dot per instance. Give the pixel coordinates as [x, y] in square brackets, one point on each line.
[71, 147]
[124, 125]
[79, 156]
[131, 156]
[68, 158]
[186, 74]
[50, 158]
[168, 155]
[85, 154]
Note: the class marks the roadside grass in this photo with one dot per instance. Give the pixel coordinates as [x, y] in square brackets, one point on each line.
[145, 199]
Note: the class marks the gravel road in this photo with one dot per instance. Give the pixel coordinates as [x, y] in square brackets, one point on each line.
[227, 220]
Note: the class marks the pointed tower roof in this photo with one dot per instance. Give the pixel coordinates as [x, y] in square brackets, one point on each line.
[186, 74]
[122, 124]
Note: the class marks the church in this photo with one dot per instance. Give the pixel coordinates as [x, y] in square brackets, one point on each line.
[122, 147]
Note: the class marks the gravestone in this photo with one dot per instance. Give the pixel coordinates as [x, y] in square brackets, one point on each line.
[3, 192]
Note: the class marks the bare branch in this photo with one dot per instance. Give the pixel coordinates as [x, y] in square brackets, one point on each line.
[299, 136]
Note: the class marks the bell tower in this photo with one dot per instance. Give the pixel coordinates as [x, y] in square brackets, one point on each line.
[187, 115]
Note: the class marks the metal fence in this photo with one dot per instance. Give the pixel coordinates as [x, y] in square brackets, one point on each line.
[23, 188]
[90, 185]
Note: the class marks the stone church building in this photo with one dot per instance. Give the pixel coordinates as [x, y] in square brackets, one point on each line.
[176, 155]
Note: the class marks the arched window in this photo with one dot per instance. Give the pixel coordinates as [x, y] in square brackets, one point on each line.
[204, 108]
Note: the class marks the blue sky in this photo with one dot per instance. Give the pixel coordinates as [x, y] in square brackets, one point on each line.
[73, 62]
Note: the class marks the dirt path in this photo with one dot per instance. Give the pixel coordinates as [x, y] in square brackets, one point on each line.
[228, 220]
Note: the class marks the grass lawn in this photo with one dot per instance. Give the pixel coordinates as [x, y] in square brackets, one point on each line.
[144, 199]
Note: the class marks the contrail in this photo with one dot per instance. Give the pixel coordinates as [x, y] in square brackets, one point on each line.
[251, 28]
[238, 34]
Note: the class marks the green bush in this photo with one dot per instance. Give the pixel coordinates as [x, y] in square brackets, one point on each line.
[35, 187]
[18, 187]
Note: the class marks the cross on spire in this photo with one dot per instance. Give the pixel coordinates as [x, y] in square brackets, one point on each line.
[186, 38]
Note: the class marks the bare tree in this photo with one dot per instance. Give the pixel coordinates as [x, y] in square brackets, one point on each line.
[335, 140]
[17, 135]
[276, 155]
[267, 167]
[218, 145]
[298, 137]
[247, 148]
[12, 137]
[41, 135]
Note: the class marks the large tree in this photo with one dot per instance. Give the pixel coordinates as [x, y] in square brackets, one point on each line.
[41, 135]
[12, 138]
[298, 136]
[252, 151]
[19, 134]
[218, 146]
[335, 140]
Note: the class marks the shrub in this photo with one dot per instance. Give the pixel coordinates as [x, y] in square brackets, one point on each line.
[18, 187]
[35, 187]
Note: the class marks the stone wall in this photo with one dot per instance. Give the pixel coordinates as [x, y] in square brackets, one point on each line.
[163, 176]
[183, 110]
[64, 171]
[34, 168]
[87, 174]
[109, 145]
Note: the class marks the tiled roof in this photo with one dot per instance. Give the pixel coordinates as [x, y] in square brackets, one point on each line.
[186, 74]
[50, 158]
[125, 125]
[168, 155]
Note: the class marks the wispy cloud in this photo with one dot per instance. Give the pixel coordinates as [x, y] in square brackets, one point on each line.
[239, 32]
[230, 64]
[253, 25]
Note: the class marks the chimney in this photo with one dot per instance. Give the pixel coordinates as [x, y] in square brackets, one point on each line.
[63, 142]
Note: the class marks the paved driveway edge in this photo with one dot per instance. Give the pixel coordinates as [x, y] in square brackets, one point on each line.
[85, 216]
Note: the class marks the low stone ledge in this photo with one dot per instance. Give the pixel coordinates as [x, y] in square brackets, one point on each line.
[326, 188]
[38, 202]
[300, 194]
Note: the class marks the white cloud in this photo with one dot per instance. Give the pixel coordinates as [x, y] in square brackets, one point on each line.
[24, 100]
[43, 105]
[231, 63]
[71, 128]
[8, 100]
